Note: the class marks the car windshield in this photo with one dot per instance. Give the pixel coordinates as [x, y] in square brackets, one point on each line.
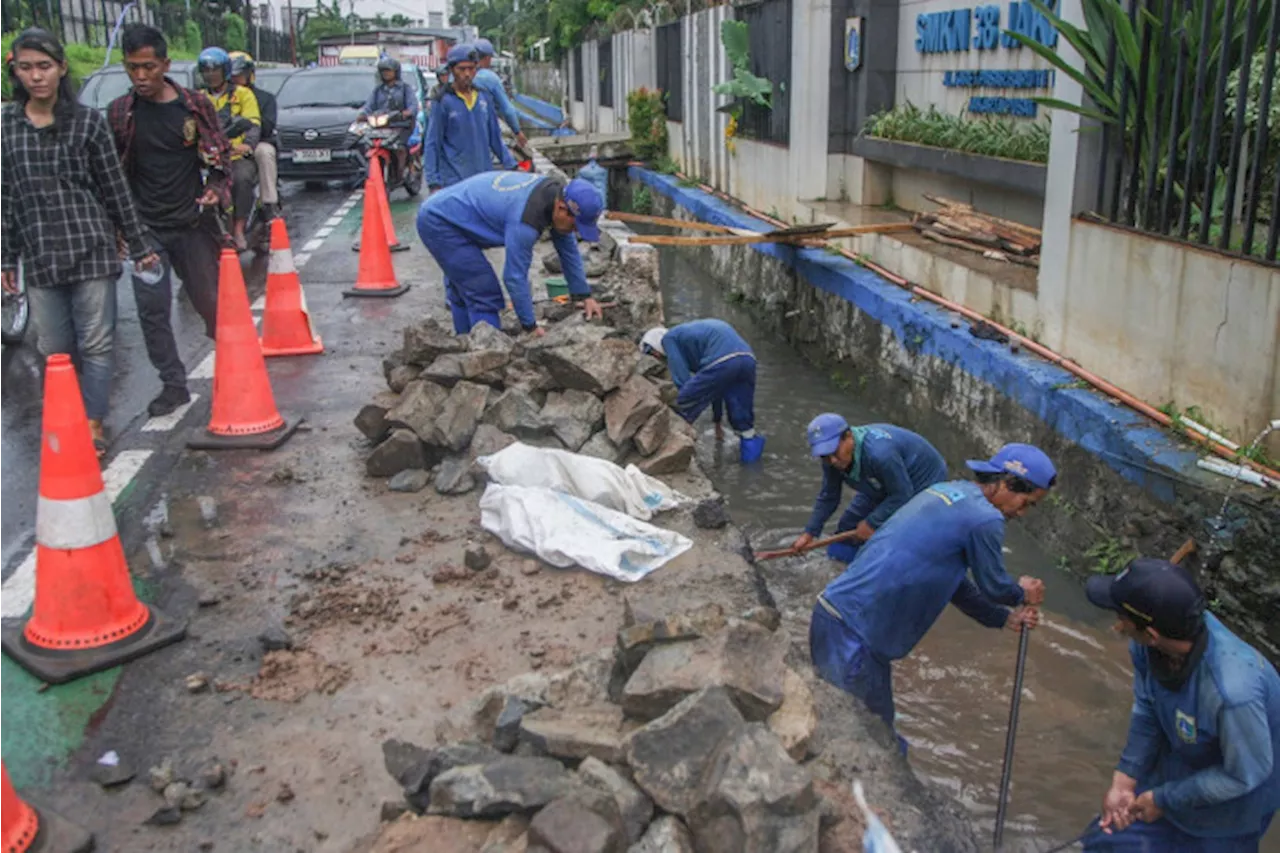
[112, 86]
[326, 90]
[271, 79]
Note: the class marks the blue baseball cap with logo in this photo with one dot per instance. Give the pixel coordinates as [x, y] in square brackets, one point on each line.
[586, 206]
[1025, 461]
[460, 53]
[484, 47]
[824, 433]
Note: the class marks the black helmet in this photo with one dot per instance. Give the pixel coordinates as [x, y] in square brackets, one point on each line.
[388, 63]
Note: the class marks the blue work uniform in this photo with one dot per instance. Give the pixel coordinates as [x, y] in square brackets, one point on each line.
[491, 84]
[1207, 748]
[890, 466]
[485, 211]
[462, 139]
[712, 365]
[900, 582]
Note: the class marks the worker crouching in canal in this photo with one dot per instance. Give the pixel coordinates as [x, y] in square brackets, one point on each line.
[711, 365]
[1199, 773]
[902, 578]
[886, 466]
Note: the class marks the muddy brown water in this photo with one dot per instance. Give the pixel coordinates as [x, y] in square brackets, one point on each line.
[953, 691]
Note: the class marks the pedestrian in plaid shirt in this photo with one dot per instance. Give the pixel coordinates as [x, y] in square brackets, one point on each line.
[169, 140]
[65, 199]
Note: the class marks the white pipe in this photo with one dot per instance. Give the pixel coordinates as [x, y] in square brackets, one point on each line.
[1237, 472]
[1208, 433]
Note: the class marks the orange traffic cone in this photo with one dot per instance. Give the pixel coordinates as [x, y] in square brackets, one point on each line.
[86, 617]
[244, 414]
[24, 828]
[376, 185]
[376, 275]
[286, 323]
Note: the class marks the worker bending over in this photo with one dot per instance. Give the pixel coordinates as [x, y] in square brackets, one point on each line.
[511, 210]
[885, 465]
[1199, 771]
[711, 365]
[921, 559]
[462, 138]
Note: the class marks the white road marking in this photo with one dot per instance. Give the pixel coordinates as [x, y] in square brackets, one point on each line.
[204, 370]
[333, 221]
[259, 304]
[164, 423]
[19, 590]
[324, 232]
[312, 245]
[300, 260]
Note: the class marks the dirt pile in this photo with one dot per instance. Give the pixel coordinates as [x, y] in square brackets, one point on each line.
[582, 387]
[692, 733]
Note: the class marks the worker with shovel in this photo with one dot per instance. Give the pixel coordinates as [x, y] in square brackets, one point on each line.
[904, 576]
[711, 365]
[886, 466]
[1200, 772]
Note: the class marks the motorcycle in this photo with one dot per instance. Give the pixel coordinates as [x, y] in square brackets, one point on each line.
[376, 138]
[16, 312]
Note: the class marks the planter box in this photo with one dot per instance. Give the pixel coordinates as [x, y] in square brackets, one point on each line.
[1016, 175]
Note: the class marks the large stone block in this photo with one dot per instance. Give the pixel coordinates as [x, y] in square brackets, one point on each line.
[627, 409]
[418, 409]
[635, 807]
[576, 733]
[505, 786]
[461, 414]
[399, 451]
[573, 416]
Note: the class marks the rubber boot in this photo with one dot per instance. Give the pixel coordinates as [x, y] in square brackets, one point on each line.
[461, 319]
[843, 551]
[490, 317]
[751, 448]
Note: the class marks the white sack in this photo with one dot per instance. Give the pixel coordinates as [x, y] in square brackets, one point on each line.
[565, 531]
[596, 480]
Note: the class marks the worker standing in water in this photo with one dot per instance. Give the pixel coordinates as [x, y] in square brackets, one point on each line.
[1200, 772]
[904, 576]
[711, 365]
[886, 466]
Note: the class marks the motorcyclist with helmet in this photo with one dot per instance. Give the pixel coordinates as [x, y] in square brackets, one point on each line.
[395, 97]
[241, 119]
[264, 153]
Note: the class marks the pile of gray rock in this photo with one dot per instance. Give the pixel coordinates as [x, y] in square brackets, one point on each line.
[690, 735]
[583, 387]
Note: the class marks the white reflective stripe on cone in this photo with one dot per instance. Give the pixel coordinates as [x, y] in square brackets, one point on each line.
[79, 523]
[280, 262]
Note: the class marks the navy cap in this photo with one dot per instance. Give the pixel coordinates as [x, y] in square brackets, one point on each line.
[824, 433]
[586, 206]
[1025, 461]
[1152, 593]
[460, 53]
[484, 47]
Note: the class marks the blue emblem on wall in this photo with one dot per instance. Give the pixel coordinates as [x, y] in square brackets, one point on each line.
[852, 44]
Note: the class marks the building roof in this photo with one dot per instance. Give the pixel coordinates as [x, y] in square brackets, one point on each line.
[409, 34]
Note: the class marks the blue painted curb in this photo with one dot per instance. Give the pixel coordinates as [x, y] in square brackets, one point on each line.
[543, 109]
[1114, 433]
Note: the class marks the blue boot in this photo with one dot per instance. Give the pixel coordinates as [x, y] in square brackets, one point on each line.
[490, 317]
[751, 448]
[843, 551]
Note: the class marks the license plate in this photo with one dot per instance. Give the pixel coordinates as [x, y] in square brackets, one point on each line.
[312, 155]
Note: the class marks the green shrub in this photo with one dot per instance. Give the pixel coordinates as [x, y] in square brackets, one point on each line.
[647, 118]
[237, 37]
[993, 137]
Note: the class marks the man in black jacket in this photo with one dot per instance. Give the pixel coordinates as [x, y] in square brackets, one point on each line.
[264, 153]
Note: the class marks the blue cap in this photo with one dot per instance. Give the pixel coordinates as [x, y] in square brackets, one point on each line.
[461, 53]
[586, 206]
[484, 47]
[1024, 461]
[1152, 593]
[824, 433]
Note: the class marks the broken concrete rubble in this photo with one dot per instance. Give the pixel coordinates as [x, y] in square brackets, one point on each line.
[461, 415]
[627, 409]
[650, 437]
[454, 476]
[586, 821]
[573, 416]
[636, 808]
[506, 785]
[399, 451]
[601, 446]
[515, 412]
[596, 368]
[573, 734]
[418, 408]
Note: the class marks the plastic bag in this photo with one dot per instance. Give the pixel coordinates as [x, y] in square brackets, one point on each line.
[565, 530]
[627, 490]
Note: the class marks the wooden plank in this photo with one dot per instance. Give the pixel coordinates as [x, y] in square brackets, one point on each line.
[646, 219]
[771, 237]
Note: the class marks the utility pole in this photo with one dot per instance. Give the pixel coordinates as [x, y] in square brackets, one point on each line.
[293, 33]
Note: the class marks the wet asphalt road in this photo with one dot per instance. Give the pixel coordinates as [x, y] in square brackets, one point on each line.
[135, 384]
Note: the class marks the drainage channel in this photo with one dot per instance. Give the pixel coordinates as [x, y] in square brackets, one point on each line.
[952, 693]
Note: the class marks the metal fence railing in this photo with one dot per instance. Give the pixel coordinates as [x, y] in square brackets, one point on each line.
[769, 39]
[91, 22]
[668, 52]
[604, 53]
[1193, 149]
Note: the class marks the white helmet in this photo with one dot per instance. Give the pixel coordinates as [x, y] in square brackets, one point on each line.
[652, 340]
